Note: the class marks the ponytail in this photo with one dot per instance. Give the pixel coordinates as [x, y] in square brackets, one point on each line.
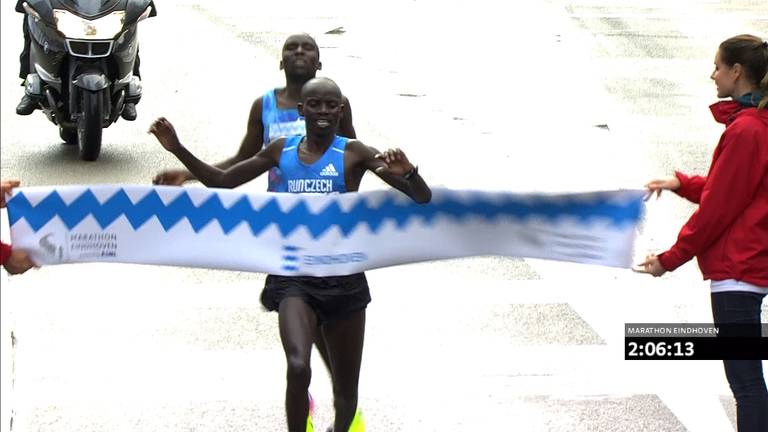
[764, 83]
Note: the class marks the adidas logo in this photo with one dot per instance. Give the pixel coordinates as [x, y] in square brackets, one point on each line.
[329, 170]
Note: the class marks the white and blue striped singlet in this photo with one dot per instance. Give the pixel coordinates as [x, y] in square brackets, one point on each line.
[278, 122]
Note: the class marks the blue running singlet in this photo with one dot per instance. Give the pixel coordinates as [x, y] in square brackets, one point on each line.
[330, 297]
[326, 175]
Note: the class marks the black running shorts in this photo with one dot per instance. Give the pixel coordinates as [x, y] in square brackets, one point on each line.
[332, 297]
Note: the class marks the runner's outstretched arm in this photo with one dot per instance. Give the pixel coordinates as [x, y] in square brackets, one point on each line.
[210, 175]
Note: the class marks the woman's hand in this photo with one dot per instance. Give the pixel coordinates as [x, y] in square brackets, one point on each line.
[19, 262]
[659, 185]
[6, 188]
[651, 266]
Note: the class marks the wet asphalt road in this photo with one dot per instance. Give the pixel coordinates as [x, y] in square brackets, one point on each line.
[552, 96]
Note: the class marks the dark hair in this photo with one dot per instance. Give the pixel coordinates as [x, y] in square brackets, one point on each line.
[751, 52]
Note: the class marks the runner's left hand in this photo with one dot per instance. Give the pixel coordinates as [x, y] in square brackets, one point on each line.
[397, 162]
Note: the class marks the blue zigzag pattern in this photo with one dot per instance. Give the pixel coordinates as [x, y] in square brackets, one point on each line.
[401, 212]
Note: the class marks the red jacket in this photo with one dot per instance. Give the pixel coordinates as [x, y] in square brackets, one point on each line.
[728, 233]
[5, 252]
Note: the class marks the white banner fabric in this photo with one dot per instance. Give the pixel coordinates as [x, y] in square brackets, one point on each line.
[316, 235]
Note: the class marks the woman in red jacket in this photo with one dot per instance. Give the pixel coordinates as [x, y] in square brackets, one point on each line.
[14, 261]
[728, 233]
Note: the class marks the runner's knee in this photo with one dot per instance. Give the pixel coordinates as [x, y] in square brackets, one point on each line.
[299, 371]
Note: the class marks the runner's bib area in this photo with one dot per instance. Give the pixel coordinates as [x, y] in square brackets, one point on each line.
[316, 235]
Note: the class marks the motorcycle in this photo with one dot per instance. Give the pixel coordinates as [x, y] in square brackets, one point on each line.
[82, 54]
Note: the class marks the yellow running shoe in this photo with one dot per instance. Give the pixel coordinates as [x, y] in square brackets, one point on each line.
[358, 424]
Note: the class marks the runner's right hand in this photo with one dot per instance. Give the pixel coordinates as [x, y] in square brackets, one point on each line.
[163, 130]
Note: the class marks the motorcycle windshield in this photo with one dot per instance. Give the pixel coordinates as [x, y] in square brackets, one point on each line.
[90, 7]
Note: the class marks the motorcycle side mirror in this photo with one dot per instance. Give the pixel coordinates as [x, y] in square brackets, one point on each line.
[137, 10]
[145, 15]
[39, 10]
[31, 12]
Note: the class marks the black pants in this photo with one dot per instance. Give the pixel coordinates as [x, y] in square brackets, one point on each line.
[24, 61]
[744, 376]
[24, 65]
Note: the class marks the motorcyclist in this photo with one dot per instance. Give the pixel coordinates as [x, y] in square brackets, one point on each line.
[27, 104]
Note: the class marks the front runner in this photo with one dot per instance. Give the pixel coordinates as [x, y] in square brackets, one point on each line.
[274, 115]
[319, 161]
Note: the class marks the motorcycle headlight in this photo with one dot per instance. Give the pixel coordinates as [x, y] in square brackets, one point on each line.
[72, 26]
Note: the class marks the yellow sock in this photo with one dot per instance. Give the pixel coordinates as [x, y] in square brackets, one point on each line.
[310, 426]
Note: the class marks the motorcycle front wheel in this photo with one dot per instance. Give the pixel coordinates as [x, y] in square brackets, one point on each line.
[89, 125]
